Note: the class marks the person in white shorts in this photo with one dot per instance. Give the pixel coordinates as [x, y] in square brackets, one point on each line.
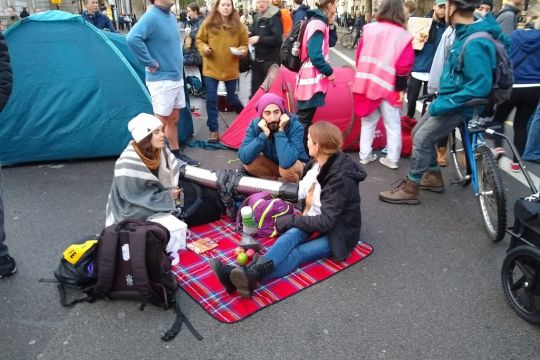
[155, 42]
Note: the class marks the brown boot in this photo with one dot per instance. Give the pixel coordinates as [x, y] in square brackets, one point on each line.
[405, 193]
[213, 137]
[441, 156]
[432, 181]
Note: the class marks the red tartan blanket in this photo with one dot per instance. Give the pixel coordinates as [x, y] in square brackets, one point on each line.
[196, 277]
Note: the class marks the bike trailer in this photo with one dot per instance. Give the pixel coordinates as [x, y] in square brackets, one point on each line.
[527, 218]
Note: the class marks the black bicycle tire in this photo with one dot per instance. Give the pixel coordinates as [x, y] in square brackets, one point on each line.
[348, 36]
[512, 299]
[463, 174]
[496, 232]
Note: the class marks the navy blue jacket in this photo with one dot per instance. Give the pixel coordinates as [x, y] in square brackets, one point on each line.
[299, 14]
[424, 58]
[525, 55]
[98, 20]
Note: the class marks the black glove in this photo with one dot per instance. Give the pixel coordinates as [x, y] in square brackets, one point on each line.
[284, 223]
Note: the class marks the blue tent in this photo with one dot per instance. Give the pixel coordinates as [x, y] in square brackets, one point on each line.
[75, 88]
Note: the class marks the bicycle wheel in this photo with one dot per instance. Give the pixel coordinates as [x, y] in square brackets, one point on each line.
[491, 195]
[520, 276]
[459, 159]
[347, 40]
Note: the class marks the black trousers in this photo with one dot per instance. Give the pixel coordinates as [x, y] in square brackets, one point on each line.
[305, 117]
[525, 101]
[259, 69]
[413, 92]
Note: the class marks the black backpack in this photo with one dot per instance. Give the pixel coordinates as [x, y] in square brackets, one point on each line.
[503, 77]
[290, 53]
[130, 262]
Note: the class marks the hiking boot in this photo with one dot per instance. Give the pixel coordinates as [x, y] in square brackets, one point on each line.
[441, 156]
[246, 278]
[213, 137]
[371, 157]
[188, 160]
[7, 266]
[432, 181]
[405, 193]
[389, 163]
[223, 273]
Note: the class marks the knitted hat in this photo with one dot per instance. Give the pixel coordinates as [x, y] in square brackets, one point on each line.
[268, 99]
[143, 125]
[440, 2]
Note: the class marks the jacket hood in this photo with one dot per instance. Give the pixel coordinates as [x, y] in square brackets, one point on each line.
[317, 14]
[487, 24]
[271, 11]
[340, 164]
[526, 40]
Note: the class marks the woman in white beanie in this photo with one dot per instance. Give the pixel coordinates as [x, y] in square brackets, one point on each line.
[146, 177]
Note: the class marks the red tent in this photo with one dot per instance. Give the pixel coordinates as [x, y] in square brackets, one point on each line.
[338, 107]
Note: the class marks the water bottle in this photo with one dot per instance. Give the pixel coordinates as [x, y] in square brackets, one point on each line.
[248, 221]
[295, 51]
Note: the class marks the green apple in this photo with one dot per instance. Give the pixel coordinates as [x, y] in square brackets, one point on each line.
[242, 258]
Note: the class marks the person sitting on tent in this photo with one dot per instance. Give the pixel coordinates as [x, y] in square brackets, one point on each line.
[155, 42]
[331, 210]
[95, 17]
[273, 145]
[316, 72]
[147, 181]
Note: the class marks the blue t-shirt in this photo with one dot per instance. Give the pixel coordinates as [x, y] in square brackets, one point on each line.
[155, 41]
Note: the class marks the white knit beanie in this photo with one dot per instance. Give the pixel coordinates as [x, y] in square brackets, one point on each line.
[143, 125]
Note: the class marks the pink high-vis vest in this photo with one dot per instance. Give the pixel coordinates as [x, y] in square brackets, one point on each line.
[382, 46]
[309, 80]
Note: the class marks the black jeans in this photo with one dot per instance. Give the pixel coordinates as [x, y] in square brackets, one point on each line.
[259, 68]
[413, 91]
[525, 101]
[305, 117]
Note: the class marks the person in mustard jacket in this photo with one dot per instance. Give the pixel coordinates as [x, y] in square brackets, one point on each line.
[222, 40]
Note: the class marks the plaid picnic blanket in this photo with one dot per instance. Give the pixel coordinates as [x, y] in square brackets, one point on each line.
[196, 277]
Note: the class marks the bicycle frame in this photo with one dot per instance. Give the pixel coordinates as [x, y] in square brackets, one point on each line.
[473, 139]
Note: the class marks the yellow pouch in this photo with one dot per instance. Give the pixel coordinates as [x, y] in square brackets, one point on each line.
[74, 252]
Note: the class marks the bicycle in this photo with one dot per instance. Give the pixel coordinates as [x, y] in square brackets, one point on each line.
[474, 162]
[347, 39]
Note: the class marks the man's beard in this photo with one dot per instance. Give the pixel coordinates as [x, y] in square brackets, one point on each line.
[274, 127]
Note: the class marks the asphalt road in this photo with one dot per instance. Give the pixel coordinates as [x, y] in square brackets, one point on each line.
[430, 290]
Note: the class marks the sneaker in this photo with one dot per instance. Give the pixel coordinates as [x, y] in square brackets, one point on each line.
[188, 160]
[388, 163]
[7, 266]
[498, 152]
[515, 167]
[372, 157]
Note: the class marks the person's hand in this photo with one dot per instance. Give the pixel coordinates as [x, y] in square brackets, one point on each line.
[401, 96]
[152, 69]
[283, 121]
[253, 40]
[207, 50]
[175, 193]
[331, 77]
[264, 127]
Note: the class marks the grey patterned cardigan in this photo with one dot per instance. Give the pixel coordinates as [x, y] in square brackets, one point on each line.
[136, 193]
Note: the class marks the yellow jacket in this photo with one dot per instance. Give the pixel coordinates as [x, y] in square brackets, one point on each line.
[221, 64]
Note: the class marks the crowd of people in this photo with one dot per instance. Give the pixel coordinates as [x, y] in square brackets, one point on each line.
[282, 146]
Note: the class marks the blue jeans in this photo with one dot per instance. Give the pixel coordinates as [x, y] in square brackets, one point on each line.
[211, 85]
[532, 149]
[426, 135]
[292, 250]
[3, 247]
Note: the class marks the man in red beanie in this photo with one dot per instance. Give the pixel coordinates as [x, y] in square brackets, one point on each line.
[274, 143]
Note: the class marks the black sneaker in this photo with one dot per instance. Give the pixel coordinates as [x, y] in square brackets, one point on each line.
[7, 266]
[188, 160]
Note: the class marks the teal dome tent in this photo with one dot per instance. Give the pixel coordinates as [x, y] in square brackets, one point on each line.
[75, 88]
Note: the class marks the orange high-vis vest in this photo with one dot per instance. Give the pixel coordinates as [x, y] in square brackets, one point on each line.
[286, 21]
[309, 80]
[383, 43]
